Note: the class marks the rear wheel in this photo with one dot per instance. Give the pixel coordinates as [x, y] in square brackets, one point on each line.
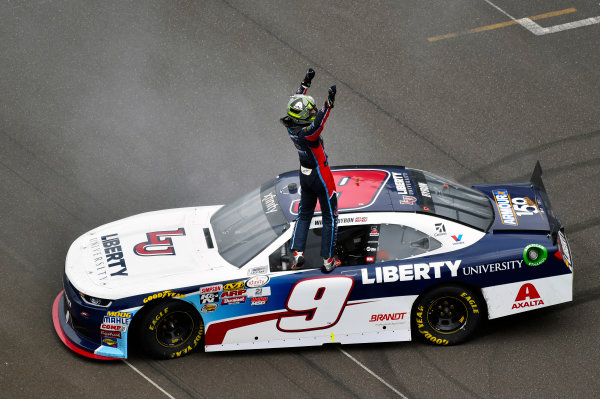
[447, 315]
[171, 329]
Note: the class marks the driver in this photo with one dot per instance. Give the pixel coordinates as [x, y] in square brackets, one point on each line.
[305, 125]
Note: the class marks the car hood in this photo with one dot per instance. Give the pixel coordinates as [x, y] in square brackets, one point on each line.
[146, 253]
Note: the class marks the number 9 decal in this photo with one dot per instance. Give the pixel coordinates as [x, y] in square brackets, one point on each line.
[316, 303]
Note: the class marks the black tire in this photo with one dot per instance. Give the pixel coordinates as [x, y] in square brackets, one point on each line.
[447, 315]
[170, 329]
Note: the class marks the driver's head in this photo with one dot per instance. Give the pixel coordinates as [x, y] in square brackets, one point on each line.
[302, 109]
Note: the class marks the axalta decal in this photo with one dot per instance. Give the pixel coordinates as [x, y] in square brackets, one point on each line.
[527, 297]
[164, 294]
[505, 208]
[409, 272]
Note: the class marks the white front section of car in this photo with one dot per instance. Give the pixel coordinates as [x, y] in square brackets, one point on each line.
[146, 253]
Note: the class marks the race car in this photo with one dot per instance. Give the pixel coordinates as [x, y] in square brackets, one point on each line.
[421, 257]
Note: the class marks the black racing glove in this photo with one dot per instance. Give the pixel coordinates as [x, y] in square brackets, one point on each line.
[331, 97]
[310, 74]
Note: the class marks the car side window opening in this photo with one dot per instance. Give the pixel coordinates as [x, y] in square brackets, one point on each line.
[401, 242]
[360, 245]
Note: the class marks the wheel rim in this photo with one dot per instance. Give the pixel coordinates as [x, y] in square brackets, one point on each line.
[174, 329]
[447, 315]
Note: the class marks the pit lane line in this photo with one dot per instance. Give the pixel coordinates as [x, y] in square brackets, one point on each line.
[373, 374]
[148, 379]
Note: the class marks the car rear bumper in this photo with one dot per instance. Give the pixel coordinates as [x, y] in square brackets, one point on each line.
[75, 342]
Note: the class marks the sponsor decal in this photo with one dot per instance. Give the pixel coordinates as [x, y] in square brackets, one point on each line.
[258, 270]
[113, 327]
[535, 254]
[524, 206]
[402, 183]
[158, 243]
[370, 259]
[527, 297]
[99, 260]
[238, 285]
[209, 297]
[111, 334]
[228, 294]
[211, 288]
[407, 200]
[457, 239]
[233, 301]
[114, 255]
[260, 291]
[409, 272]
[164, 294]
[424, 190]
[119, 314]
[109, 342]
[440, 229]
[492, 267]
[209, 308]
[116, 321]
[362, 219]
[260, 300]
[270, 204]
[257, 281]
[387, 316]
[374, 231]
[507, 213]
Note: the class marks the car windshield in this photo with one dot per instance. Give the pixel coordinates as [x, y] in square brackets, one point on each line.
[248, 225]
[453, 201]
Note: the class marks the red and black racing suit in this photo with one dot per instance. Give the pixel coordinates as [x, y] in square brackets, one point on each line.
[316, 181]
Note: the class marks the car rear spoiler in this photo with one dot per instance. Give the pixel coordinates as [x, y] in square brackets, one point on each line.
[538, 184]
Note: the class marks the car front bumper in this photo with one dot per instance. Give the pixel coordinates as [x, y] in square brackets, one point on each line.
[62, 320]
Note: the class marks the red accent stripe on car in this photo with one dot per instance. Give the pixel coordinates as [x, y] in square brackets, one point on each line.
[215, 333]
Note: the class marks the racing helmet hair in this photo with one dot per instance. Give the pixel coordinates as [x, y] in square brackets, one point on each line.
[299, 108]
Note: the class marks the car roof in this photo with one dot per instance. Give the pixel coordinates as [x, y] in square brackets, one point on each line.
[370, 188]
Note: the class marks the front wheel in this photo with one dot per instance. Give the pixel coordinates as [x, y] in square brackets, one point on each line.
[171, 329]
[447, 315]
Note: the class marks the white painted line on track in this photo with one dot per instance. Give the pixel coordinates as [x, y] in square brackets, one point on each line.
[538, 30]
[373, 374]
[149, 380]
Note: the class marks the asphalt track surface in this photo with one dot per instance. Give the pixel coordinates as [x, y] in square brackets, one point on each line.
[110, 109]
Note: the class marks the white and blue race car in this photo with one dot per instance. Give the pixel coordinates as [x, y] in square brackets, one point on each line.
[422, 256]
